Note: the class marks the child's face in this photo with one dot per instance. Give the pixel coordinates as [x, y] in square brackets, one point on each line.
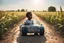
[30, 16]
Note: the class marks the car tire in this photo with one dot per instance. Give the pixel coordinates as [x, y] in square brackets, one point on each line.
[41, 31]
[24, 32]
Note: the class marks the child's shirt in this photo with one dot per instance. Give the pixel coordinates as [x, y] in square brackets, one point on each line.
[30, 22]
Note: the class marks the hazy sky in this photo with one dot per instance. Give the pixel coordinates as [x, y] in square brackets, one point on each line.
[30, 4]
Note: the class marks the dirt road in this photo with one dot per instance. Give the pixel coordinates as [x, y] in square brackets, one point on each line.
[49, 36]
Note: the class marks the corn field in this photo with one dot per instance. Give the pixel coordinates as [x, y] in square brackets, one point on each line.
[54, 18]
[9, 19]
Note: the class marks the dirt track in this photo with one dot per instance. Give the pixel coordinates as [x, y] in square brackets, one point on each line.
[49, 36]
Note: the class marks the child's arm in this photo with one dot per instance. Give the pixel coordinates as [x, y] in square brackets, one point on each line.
[26, 23]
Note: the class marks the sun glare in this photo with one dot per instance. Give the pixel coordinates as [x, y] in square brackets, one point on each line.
[37, 1]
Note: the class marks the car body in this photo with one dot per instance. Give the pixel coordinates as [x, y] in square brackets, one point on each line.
[36, 28]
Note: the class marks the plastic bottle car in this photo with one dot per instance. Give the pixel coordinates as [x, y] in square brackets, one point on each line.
[35, 28]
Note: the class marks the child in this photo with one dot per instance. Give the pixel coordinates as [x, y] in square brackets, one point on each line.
[29, 21]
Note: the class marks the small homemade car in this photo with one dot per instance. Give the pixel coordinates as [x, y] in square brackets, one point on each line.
[35, 28]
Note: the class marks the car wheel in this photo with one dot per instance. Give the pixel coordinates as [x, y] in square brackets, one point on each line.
[24, 32]
[41, 31]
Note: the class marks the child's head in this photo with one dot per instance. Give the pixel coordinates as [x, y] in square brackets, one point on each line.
[29, 15]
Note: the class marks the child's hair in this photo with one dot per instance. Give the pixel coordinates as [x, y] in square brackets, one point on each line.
[28, 13]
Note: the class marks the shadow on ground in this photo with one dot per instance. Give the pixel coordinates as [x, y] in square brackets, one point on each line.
[31, 39]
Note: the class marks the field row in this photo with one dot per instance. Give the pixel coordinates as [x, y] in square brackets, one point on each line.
[54, 18]
[9, 19]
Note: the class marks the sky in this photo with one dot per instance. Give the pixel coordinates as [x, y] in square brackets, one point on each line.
[30, 4]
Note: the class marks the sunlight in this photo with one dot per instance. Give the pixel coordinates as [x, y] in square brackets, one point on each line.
[37, 4]
[37, 1]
